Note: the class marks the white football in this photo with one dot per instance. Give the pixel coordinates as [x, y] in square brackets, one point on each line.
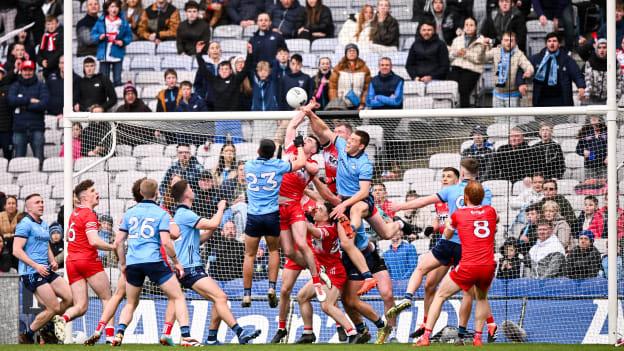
[79, 337]
[296, 97]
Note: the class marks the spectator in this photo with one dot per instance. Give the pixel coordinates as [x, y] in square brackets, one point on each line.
[52, 8]
[56, 244]
[6, 119]
[559, 12]
[281, 64]
[419, 219]
[513, 161]
[244, 12]
[321, 82]
[168, 97]
[560, 228]
[357, 31]
[106, 234]
[548, 154]
[188, 101]
[447, 22]
[86, 45]
[234, 189]
[265, 42]
[555, 71]
[226, 167]
[590, 217]
[547, 255]
[8, 12]
[619, 23]
[288, 18]
[584, 261]
[401, 258]
[592, 145]
[385, 90]
[550, 193]
[93, 89]
[381, 201]
[596, 75]
[531, 195]
[225, 254]
[76, 142]
[620, 220]
[211, 11]
[159, 22]
[133, 9]
[96, 137]
[294, 78]
[512, 67]
[201, 84]
[348, 84]
[51, 48]
[131, 102]
[481, 150]
[18, 54]
[113, 34]
[8, 221]
[385, 28]
[506, 18]
[264, 90]
[208, 195]
[6, 258]
[605, 262]
[29, 12]
[428, 58]
[186, 166]
[467, 55]
[192, 30]
[28, 97]
[318, 21]
[528, 234]
[509, 266]
[54, 83]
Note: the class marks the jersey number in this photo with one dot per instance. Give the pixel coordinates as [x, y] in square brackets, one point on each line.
[71, 233]
[146, 230]
[481, 229]
[252, 181]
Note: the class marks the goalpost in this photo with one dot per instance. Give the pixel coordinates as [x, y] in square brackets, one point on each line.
[408, 152]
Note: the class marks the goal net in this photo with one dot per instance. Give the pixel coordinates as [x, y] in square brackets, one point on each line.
[550, 287]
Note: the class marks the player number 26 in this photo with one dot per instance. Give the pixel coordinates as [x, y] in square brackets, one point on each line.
[269, 177]
[146, 229]
[481, 229]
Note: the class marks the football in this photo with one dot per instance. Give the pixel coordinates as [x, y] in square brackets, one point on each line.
[296, 97]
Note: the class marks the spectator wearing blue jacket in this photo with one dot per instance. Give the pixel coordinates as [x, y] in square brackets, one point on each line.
[264, 88]
[401, 258]
[112, 33]
[385, 91]
[265, 42]
[188, 101]
[295, 78]
[187, 166]
[28, 97]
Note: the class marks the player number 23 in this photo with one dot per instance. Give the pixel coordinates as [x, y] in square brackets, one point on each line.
[146, 229]
[481, 229]
[269, 178]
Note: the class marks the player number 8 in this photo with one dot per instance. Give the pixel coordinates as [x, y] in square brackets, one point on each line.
[481, 229]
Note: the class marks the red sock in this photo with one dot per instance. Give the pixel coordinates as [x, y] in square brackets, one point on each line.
[100, 326]
[66, 318]
[427, 333]
[167, 328]
[307, 330]
[477, 335]
[281, 324]
[350, 331]
[316, 279]
[425, 320]
[110, 331]
[490, 319]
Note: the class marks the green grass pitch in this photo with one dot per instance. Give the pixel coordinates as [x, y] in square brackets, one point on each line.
[320, 347]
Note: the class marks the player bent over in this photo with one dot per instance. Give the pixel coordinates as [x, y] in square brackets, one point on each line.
[476, 226]
[84, 267]
[264, 177]
[187, 247]
[326, 247]
[37, 270]
[146, 227]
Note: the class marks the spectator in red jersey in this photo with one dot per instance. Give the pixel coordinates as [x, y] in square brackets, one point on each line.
[620, 219]
[584, 261]
[17, 55]
[159, 22]
[381, 201]
[51, 48]
[590, 217]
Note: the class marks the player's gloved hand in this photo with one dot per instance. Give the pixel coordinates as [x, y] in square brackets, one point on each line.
[298, 141]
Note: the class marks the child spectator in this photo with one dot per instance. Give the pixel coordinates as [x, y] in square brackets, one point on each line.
[592, 145]
[226, 167]
[321, 82]
[509, 265]
[51, 48]
[93, 89]
[384, 28]
[191, 30]
[584, 261]
[76, 142]
[113, 34]
[526, 198]
[238, 65]
[528, 234]
[168, 97]
[8, 222]
[295, 78]
[318, 21]
[56, 243]
[159, 22]
[281, 63]
[133, 9]
[54, 82]
[17, 55]
[264, 90]
[188, 101]
[591, 218]
[348, 84]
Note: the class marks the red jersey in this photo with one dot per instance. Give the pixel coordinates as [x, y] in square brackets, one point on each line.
[294, 183]
[308, 205]
[476, 227]
[326, 249]
[81, 221]
[330, 154]
[442, 212]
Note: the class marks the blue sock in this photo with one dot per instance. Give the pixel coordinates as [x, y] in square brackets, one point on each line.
[408, 296]
[367, 275]
[212, 334]
[247, 292]
[461, 331]
[271, 285]
[185, 331]
[121, 329]
[380, 323]
[360, 327]
[236, 329]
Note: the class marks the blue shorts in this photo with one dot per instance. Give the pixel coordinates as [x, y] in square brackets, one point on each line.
[369, 201]
[158, 273]
[374, 262]
[263, 225]
[35, 280]
[192, 275]
[447, 252]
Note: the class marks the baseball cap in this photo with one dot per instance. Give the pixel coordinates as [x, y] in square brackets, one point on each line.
[28, 64]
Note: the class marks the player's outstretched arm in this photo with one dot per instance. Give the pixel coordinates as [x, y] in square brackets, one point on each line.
[300, 161]
[97, 242]
[416, 203]
[319, 127]
[208, 226]
[324, 191]
[291, 129]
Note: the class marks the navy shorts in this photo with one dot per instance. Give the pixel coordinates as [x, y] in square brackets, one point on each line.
[192, 275]
[35, 280]
[158, 273]
[263, 225]
[369, 201]
[447, 252]
[374, 262]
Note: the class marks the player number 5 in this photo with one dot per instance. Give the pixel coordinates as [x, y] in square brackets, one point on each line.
[481, 229]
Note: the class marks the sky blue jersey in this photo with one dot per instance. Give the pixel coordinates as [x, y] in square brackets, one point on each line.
[37, 235]
[144, 222]
[187, 245]
[351, 170]
[264, 178]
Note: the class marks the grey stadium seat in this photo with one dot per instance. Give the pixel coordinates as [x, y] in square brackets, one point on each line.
[228, 31]
[148, 150]
[141, 48]
[32, 178]
[155, 164]
[166, 47]
[121, 163]
[298, 45]
[53, 164]
[128, 178]
[177, 62]
[85, 162]
[24, 164]
[42, 189]
[425, 188]
[3, 164]
[498, 187]
[145, 63]
[443, 160]
[414, 175]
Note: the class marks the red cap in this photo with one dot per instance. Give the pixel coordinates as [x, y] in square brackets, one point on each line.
[28, 64]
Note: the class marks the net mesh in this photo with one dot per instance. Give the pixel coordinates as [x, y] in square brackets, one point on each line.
[409, 156]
